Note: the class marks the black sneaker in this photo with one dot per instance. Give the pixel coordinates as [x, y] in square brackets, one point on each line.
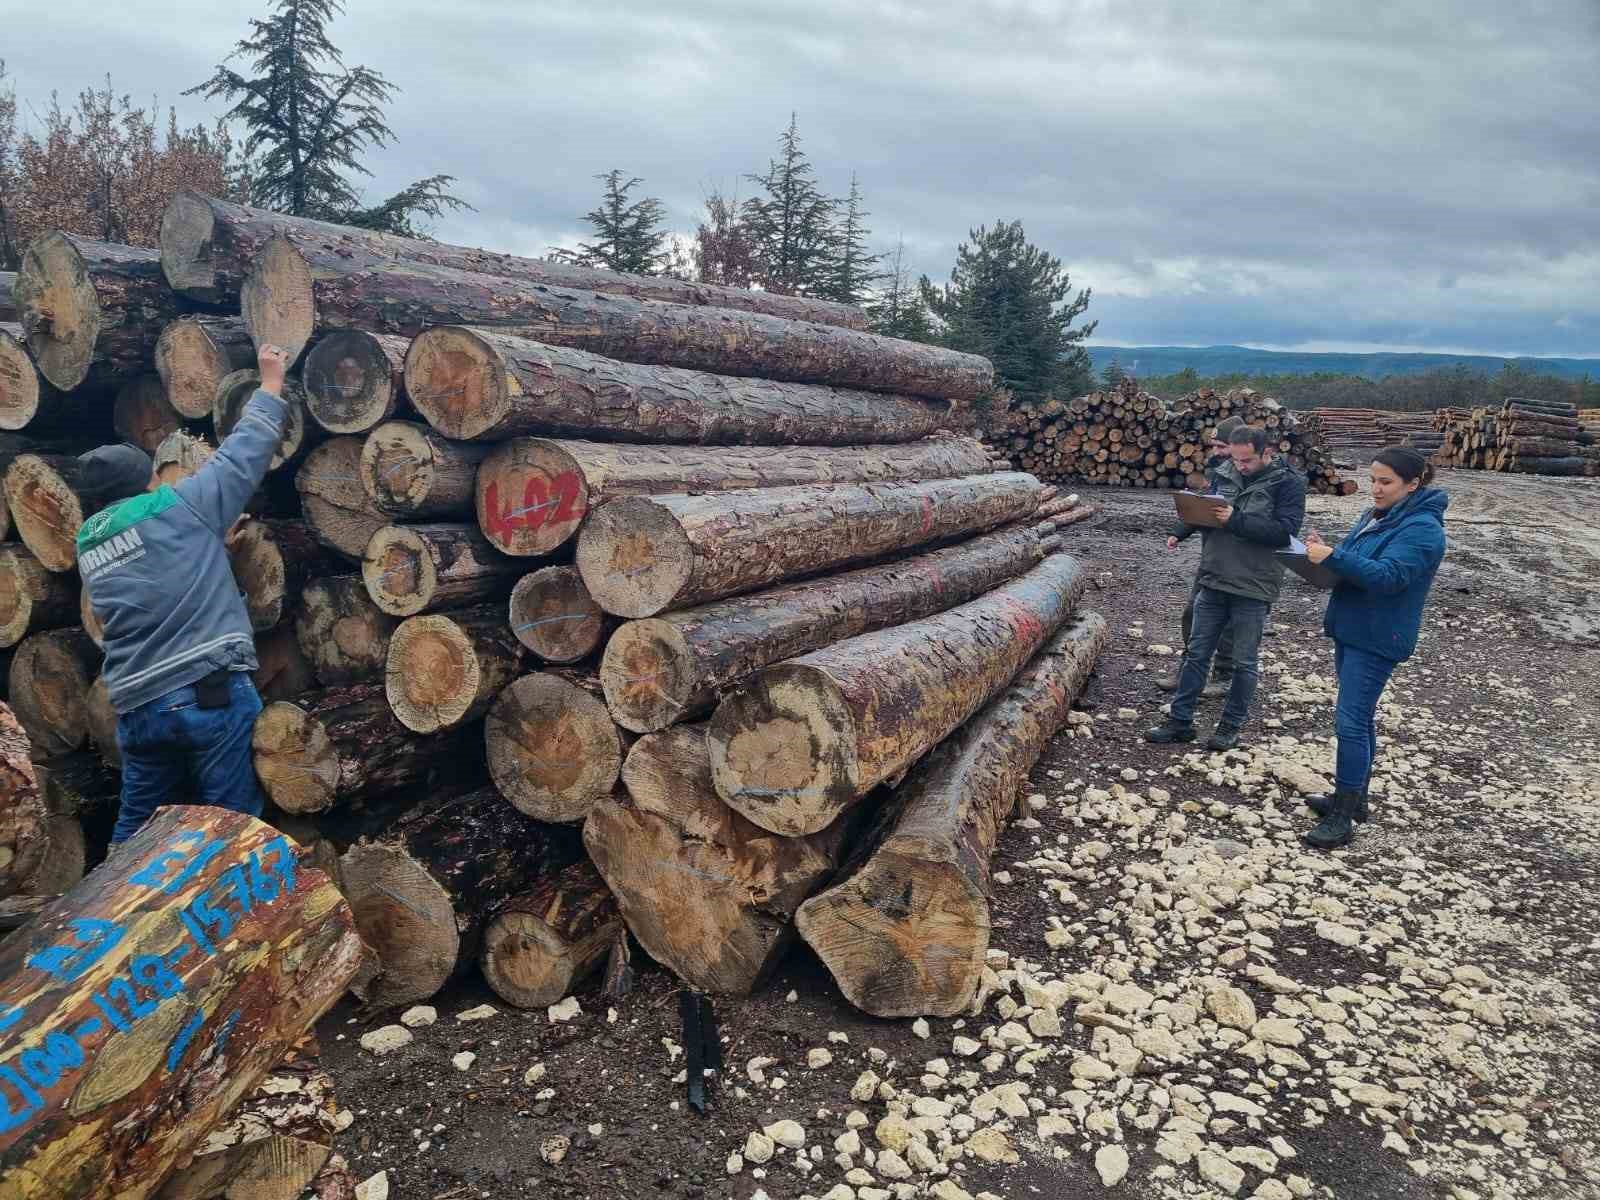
[1322, 803]
[1337, 827]
[1224, 737]
[1169, 731]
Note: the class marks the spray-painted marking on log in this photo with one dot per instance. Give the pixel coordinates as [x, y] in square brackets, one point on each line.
[149, 980]
[535, 512]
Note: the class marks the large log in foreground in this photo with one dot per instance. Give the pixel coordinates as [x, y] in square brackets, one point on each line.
[544, 942]
[488, 384]
[149, 999]
[797, 744]
[906, 935]
[554, 751]
[644, 555]
[446, 668]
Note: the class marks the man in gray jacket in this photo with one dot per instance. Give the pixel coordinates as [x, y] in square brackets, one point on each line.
[178, 643]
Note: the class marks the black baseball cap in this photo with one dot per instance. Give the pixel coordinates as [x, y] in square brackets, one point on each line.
[115, 472]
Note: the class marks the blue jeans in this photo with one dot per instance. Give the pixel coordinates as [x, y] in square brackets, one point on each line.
[1214, 614]
[1362, 678]
[171, 744]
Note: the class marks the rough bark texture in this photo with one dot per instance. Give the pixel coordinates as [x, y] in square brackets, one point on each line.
[446, 668]
[332, 498]
[234, 392]
[553, 749]
[355, 380]
[50, 678]
[410, 569]
[341, 631]
[284, 672]
[102, 722]
[89, 307]
[272, 560]
[797, 744]
[28, 399]
[423, 892]
[42, 493]
[208, 246]
[644, 555]
[545, 942]
[141, 413]
[23, 836]
[8, 309]
[32, 598]
[662, 670]
[154, 995]
[906, 934]
[411, 471]
[553, 615]
[195, 354]
[487, 384]
[708, 894]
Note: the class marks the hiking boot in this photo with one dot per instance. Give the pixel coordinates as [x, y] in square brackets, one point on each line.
[1337, 827]
[1320, 804]
[1224, 737]
[1169, 683]
[1218, 685]
[1169, 731]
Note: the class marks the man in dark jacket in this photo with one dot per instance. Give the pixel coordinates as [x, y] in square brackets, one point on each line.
[1240, 575]
[178, 643]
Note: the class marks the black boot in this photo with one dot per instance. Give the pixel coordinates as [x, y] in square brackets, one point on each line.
[1169, 731]
[1223, 737]
[1321, 802]
[1337, 827]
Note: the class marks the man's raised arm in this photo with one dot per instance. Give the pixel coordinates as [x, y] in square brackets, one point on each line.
[219, 490]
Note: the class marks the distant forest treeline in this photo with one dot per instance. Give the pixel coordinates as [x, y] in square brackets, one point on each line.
[1443, 387]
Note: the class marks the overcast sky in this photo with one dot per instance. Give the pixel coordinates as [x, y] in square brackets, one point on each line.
[1418, 174]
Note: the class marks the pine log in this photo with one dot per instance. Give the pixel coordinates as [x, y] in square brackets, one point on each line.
[343, 634]
[208, 246]
[284, 301]
[709, 894]
[195, 354]
[662, 670]
[24, 837]
[50, 837]
[643, 555]
[797, 744]
[411, 471]
[180, 455]
[42, 493]
[32, 598]
[532, 493]
[546, 941]
[355, 380]
[234, 392]
[91, 308]
[488, 384]
[334, 503]
[423, 892]
[553, 615]
[101, 719]
[906, 935]
[272, 561]
[410, 569]
[141, 413]
[553, 749]
[1553, 466]
[155, 994]
[446, 668]
[283, 671]
[28, 399]
[342, 746]
[50, 678]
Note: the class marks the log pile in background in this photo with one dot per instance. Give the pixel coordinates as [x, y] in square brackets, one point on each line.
[1531, 437]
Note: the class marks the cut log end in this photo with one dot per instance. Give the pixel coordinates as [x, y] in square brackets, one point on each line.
[45, 511]
[554, 751]
[634, 557]
[553, 615]
[187, 228]
[349, 382]
[261, 574]
[295, 760]
[546, 941]
[407, 919]
[234, 392]
[142, 414]
[50, 679]
[19, 384]
[648, 673]
[397, 465]
[432, 673]
[335, 504]
[59, 310]
[531, 496]
[341, 631]
[456, 381]
[276, 299]
[32, 598]
[193, 356]
[399, 571]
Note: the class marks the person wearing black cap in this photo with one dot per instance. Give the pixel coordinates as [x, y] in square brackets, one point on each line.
[178, 643]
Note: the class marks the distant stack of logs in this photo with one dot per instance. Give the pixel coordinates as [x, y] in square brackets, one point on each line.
[1130, 438]
[1531, 437]
[1589, 418]
[526, 513]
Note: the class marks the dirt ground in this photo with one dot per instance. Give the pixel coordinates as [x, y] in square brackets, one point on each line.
[1185, 1002]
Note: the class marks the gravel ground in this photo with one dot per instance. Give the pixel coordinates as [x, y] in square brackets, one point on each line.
[1182, 1001]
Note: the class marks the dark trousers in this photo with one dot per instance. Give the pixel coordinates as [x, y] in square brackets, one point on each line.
[1222, 664]
[171, 745]
[1362, 678]
[1214, 614]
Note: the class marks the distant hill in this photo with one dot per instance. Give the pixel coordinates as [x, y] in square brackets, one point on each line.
[1211, 361]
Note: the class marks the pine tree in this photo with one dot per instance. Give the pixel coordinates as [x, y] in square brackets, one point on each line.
[1011, 302]
[855, 271]
[792, 224]
[1113, 375]
[313, 118]
[629, 236]
[897, 310]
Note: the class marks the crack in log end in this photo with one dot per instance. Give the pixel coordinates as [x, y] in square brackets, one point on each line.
[634, 557]
[58, 309]
[456, 381]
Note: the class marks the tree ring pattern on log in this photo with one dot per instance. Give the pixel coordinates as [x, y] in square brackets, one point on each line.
[294, 758]
[349, 382]
[553, 748]
[45, 511]
[19, 382]
[457, 381]
[398, 571]
[276, 299]
[432, 673]
[636, 553]
[531, 496]
[553, 615]
[60, 309]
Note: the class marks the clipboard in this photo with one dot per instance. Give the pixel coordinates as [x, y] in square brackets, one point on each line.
[1199, 509]
[1316, 574]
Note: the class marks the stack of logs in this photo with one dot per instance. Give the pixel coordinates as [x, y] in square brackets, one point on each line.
[1130, 438]
[583, 600]
[1533, 437]
[1589, 418]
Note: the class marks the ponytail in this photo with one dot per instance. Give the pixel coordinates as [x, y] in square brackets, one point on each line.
[1406, 463]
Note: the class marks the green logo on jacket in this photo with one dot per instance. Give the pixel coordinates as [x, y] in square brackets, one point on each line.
[109, 522]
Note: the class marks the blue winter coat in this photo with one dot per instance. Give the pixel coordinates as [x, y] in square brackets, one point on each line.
[1385, 569]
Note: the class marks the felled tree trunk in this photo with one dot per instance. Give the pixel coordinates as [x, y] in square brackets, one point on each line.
[53, 823]
[410, 569]
[28, 399]
[23, 837]
[8, 309]
[272, 560]
[906, 935]
[155, 994]
[141, 413]
[446, 668]
[332, 499]
[341, 631]
[411, 471]
[423, 893]
[195, 354]
[644, 555]
[32, 598]
[355, 380]
[553, 749]
[707, 893]
[553, 615]
[662, 670]
[545, 942]
[284, 672]
[234, 393]
[50, 679]
[43, 493]
[797, 744]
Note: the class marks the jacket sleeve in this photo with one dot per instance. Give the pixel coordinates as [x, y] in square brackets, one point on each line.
[1410, 555]
[1274, 529]
[219, 490]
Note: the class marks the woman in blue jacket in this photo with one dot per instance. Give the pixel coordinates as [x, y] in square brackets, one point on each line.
[1385, 566]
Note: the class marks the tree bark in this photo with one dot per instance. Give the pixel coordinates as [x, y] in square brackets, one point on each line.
[332, 499]
[284, 672]
[50, 679]
[102, 721]
[644, 555]
[411, 471]
[141, 413]
[906, 935]
[487, 384]
[446, 668]
[155, 994]
[709, 894]
[423, 892]
[51, 830]
[8, 309]
[234, 392]
[32, 598]
[533, 493]
[542, 944]
[553, 749]
[662, 670]
[355, 380]
[42, 493]
[410, 569]
[24, 837]
[272, 561]
[194, 355]
[797, 744]
[28, 399]
[343, 634]
[553, 615]
[208, 246]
